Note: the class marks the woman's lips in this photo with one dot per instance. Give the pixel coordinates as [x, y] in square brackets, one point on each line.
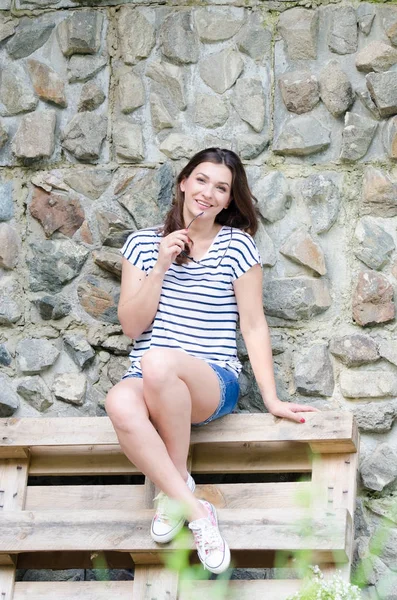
[203, 205]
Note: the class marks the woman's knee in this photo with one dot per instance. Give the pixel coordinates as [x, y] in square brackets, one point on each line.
[125, 409]
[158, 367]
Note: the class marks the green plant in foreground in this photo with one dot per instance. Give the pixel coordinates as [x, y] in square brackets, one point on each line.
[319, 588]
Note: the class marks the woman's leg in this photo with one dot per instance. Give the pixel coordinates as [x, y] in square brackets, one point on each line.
[132, 402]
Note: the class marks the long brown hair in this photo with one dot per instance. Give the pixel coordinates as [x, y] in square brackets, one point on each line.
[241, 211]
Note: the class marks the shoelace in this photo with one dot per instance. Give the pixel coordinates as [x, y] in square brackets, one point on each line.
[162, 507]
[207, 538]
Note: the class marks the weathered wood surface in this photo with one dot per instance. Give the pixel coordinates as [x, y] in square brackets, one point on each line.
[326, 432]
[123, 590]
[274, 529]
[153, 582]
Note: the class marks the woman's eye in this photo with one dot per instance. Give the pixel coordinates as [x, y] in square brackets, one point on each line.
[200, 179]
[222, 189]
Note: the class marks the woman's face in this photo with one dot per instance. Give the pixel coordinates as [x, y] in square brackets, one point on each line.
[207, 190]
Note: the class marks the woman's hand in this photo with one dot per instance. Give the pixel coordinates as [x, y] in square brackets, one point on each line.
[289, 410]
[170, 246]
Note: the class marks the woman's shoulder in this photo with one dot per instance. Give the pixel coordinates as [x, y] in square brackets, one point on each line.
[241, 237]
[148, 234]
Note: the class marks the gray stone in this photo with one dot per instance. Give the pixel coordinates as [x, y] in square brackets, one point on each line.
[113, 231]
[354, 350]
[335, 89]
[368, 384]
[301, 136]
[217, 24]
[273, 195]
[303, 249]
[383, 90]
[250, 145]
[82, 68]
[150, 197]
[249, 101]
[377, 56]
[80, 33]
[389, 21]
[365, 98]
[116, 369]
[84, 134]
[375, 417]
[254, 40]
[388, 350]
[357, 136]
[79, 349]
[35, 138]
[47, 84]
[178, 38]
[131, 92]
[10, 246]
[5, 356]
[35, 392]
[99, 298]
[53, 307]
[379, 194]
[313, 373]
[323, 199]
[374, 244]
[162, 112]
[128, 141]
[178, 145]
[7, 28]
[109, 260]
[379, 468]
[6, 201]
[10, 295]
[54, 263]
[221, 69]
[117, 344]
[386, 587]
[35, 355]
[30, 35]
[299, 30]
[210, 111]
[3, 135]
[299, 90]
[373, 299]
[70, 388]
[16, 92]
[171, 80]
[296, 298]
[343, 35]
[91, 97]
[265, 247]
[90, 182]
[365, 17]
[136, 35]
[384, 507]
[9, 401]
[389, 137]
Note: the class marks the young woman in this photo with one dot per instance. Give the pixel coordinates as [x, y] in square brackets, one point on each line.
[184, 286]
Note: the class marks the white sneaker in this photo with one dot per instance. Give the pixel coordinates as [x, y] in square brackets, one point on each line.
[212, 549]
[168, 521]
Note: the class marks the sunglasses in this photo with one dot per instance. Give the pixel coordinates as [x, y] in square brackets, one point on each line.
[197, 262]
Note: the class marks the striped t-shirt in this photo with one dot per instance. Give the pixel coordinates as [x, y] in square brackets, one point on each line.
[197, 311]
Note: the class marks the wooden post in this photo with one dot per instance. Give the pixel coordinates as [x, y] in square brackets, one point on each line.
[13, 485]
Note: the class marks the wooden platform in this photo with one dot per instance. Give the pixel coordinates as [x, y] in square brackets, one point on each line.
[75, 526]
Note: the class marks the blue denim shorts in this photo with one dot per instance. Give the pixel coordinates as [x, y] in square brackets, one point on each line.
[229, 387]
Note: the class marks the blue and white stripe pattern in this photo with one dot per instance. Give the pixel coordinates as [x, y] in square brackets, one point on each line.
[197, 311]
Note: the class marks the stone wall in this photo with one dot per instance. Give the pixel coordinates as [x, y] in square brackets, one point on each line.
[100, 106]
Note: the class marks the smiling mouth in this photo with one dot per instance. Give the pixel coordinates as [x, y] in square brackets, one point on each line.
[203, 204]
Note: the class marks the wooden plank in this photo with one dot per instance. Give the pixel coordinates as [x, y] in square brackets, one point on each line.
[9, 560]
[269, 589]
[128, 531]
[73, 590]
[274, 457]
[127, 497]
[155, 583]
[335, 431]
[13, 481]
[13, 452]
[123, 590]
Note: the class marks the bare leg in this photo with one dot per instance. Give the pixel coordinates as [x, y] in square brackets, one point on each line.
[129, 410]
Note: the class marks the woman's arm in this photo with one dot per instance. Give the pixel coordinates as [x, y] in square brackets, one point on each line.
[255, 331]
[140, 293]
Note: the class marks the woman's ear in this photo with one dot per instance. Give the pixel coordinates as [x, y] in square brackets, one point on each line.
[182, 186]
